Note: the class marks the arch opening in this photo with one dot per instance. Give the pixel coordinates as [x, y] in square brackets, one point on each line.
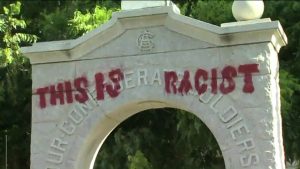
[160, 138]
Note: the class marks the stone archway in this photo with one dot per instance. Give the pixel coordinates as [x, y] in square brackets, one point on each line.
[156, 138]
[153, 58]
[86, 129]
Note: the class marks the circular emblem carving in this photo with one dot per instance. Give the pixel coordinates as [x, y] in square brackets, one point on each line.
[145, 42]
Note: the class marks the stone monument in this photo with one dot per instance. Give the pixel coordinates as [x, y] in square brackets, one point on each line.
[149, 56]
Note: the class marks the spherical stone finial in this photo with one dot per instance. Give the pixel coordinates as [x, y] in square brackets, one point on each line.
[243, 10]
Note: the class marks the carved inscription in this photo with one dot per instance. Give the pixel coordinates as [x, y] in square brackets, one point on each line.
[75, 117]
[201, 83]
[236, 125]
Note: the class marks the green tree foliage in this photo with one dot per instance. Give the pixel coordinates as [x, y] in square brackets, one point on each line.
[50, 22]
[66, 19]
[161, 138]
[290, 113]
[214, 12]
[82, 23]
[9, 49]
[15, 86]
[53, 22]
[139, 161]
[186, 6]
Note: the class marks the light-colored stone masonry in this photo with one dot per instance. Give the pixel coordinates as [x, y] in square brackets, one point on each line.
[154, 58]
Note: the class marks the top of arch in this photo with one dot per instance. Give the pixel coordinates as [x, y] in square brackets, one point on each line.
[228, 34]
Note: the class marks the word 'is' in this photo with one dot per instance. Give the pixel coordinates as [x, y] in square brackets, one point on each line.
[76, 90]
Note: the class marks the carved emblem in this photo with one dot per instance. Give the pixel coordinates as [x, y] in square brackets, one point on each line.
[145, 42]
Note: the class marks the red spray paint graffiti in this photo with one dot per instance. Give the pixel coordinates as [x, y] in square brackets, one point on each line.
[227, 85]
[69, 91]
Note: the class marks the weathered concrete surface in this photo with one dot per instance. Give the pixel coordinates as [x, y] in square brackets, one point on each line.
[141, 59]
